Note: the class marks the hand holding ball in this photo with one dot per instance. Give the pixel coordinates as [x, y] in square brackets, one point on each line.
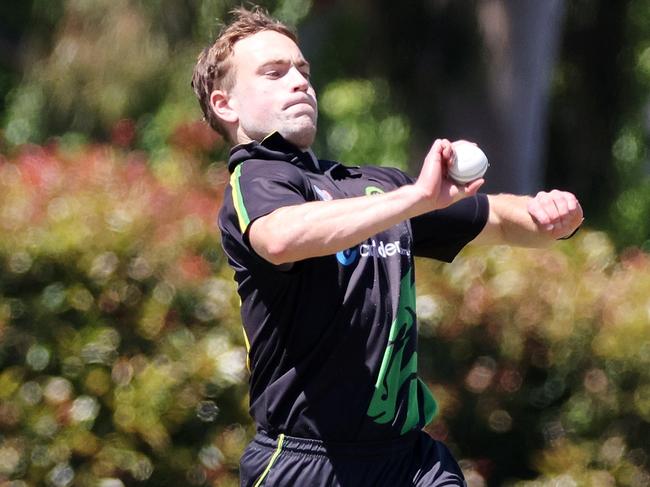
[469, 163]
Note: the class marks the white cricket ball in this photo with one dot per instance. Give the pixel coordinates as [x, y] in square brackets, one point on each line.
[469, 164]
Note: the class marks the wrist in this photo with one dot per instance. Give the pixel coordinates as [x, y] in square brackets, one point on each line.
[418, 200]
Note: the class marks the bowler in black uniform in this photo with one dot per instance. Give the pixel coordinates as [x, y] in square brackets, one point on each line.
[323, 258]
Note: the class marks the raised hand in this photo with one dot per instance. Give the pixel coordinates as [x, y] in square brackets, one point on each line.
[440, 190]
[557, 213]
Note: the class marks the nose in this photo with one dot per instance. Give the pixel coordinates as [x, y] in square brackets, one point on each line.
[298, 80]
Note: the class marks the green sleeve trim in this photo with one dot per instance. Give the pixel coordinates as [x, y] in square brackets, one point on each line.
[238, 200]
[274, 457]
[248, 348]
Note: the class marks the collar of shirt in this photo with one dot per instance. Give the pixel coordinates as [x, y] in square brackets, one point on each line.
[273, 147]
[314, 159]
[276, 147]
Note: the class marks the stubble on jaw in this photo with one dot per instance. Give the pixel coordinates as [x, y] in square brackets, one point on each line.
[300, 129]
[302, 137]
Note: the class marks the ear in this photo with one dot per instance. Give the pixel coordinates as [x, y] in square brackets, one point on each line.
[221, 105]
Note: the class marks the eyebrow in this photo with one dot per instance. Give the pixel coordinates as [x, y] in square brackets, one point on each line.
[301, 63]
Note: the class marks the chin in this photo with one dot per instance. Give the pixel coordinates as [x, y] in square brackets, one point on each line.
[302, 137]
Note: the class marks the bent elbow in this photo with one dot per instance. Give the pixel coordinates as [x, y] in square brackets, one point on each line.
[271, 247]
[277, 253]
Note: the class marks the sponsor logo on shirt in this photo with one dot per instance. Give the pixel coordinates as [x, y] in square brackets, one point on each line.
[348, 256]
[372, 249]
[382, 250]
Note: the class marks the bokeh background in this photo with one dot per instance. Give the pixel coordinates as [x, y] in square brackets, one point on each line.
[122, 361]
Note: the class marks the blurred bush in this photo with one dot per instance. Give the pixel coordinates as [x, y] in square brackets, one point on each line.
[541, 360]
[121, 355]
[122, 360]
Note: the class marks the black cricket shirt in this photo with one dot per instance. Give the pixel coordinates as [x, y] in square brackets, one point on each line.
[332, 340]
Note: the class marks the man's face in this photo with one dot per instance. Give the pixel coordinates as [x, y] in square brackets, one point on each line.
[272, 91]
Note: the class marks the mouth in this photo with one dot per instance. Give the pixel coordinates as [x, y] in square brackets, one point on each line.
[301, 101]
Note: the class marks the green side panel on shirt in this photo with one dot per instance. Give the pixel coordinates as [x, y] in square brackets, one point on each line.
[398, 370]
[430, 404]
[237, 199]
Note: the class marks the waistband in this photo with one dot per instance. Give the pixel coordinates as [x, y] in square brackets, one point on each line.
[310, 446]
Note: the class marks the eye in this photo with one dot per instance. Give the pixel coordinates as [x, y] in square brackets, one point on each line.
[272, 73]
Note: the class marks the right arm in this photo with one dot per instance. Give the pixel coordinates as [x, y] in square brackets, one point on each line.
[318, 228]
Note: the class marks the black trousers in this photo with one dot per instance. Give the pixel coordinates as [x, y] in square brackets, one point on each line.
[415, 460]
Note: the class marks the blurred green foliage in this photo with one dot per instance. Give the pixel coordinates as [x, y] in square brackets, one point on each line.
[630, 211]
[104, 61]
[122, 360]
[599, 127]
[121, 355]
[541, 360]
[359, 125]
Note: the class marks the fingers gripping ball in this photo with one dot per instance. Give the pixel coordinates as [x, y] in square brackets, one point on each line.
[469, 163]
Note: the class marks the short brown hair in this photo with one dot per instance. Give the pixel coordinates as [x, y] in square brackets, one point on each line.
[212, 70]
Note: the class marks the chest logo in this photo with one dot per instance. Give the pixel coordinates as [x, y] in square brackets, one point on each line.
[370, 190]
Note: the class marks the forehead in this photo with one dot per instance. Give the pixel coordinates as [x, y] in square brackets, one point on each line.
[255, 50]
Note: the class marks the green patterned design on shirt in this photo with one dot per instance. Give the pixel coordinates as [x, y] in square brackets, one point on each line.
[398, 370]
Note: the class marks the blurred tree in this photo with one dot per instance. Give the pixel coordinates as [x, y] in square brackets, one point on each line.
[22, 24]
[12, 24]
[103, 61]
[475, 70]
[521, 39]
[484, 70]
[594, 92]
[629, 210]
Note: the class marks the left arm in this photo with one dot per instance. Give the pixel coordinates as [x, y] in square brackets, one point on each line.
[530, 221]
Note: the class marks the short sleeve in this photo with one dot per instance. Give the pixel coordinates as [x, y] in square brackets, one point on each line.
[260, 187]
[442, 234]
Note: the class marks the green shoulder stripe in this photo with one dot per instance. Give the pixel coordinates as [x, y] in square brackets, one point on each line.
[238, 201]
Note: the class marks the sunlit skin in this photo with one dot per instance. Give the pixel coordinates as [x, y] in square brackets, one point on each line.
[271, 92]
